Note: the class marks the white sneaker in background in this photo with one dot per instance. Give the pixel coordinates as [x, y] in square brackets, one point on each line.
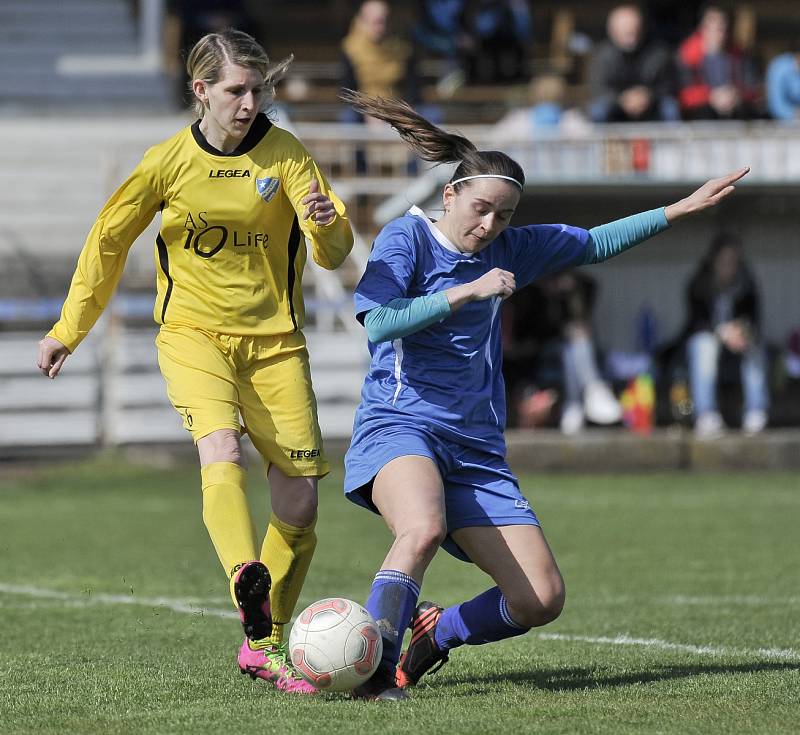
[572, 419]
[754, 422]
[709, 425]
[600, 405]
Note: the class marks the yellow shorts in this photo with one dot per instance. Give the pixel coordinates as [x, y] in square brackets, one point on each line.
[258, 385]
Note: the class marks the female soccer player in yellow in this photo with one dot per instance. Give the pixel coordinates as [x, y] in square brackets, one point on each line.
[236, 196]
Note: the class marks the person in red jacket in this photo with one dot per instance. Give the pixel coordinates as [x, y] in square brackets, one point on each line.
[717, 80]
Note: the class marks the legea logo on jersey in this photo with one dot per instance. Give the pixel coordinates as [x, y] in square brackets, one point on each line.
[267, 188]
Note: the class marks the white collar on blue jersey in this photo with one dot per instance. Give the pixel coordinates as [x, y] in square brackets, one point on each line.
[436, 232]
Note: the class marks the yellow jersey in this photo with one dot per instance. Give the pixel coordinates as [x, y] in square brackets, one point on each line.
[230, 251]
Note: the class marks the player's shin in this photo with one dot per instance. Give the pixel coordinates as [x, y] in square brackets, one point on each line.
[287, 551]
[483, 619]
[226, 514]
[391, 602]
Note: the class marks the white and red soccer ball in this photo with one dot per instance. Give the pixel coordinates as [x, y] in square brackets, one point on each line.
[335, 644]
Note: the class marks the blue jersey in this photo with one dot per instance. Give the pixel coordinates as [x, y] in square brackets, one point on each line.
[447, 377]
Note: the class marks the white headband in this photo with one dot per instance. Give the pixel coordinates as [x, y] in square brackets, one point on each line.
[487, 176]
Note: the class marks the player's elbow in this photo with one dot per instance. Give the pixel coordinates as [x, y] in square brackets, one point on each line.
[376, 328]
[329, 263]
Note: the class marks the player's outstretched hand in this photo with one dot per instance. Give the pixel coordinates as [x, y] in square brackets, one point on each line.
[708, 195]
[51, 356]
[320, 208]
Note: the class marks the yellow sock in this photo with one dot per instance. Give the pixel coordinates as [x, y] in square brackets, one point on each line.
[227, 514]
[287, 552]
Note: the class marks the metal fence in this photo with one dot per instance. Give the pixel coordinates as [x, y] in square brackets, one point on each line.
[111, 393]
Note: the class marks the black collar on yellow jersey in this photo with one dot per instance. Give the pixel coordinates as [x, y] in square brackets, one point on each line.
[258, 130]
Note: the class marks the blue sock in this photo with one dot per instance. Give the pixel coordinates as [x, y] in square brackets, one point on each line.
[483, 619]
[391, 602]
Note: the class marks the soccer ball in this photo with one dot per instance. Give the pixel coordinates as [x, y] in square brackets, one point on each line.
[335, 644]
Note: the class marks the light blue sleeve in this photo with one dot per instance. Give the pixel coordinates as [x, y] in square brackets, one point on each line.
[401, 317]
[611, 239]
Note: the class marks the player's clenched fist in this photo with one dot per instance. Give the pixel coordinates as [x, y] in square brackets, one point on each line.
[320, 209]
[496, 282]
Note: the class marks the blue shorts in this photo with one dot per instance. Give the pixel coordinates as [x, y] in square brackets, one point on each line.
[479, 487]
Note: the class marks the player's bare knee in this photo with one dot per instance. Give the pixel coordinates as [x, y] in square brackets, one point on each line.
[552, 598]
[424, 539]
[223, 445]
[552, 606]
[533, 608]
[300, 512]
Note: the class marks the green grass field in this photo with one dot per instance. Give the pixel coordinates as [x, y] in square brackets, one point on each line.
[682, 615]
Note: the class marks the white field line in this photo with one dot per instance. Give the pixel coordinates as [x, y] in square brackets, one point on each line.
[626, 640]
[193, 607]
[733, 600]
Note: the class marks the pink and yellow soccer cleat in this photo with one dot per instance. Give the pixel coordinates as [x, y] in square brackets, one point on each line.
[269, 661]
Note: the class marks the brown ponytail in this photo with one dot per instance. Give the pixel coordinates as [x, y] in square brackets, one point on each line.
[431, 143]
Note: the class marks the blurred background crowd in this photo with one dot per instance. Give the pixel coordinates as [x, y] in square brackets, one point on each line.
[655, 60]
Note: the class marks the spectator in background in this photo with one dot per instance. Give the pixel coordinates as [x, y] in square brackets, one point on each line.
[631, 78]
[551, 320]
[672, 22]
[544, 113]
[717, 80]
[501, 31]
[375, 61]
[783, 85]
[439, 33]
[724, 316]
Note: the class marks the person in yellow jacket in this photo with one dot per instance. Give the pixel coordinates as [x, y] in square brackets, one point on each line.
[236, 195]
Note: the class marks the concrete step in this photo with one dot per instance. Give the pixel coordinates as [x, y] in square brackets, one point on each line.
[103, 132]
[70, 34]
[41, 10]
[36, 35]
[74, 89]
[63, 189]
[665, 450]
[24, 54]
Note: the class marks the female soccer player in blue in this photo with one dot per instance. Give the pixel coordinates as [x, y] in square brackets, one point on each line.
[428, 451]
[236, 195]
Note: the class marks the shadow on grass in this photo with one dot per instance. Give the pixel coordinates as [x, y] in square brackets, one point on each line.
[569, 679]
